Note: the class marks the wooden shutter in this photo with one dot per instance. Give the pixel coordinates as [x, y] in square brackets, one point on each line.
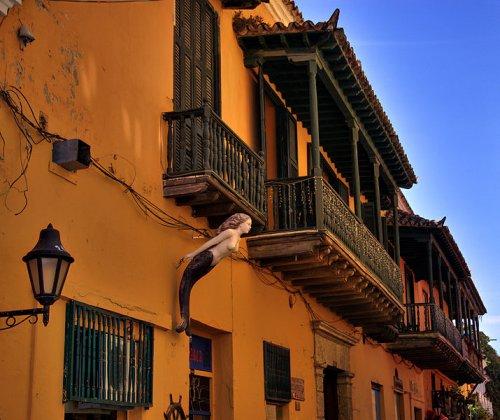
[277, 373]
[196, 55]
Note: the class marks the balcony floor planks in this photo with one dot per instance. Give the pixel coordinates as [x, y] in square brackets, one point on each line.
[335, 278]
[429, 350]
[208, 197]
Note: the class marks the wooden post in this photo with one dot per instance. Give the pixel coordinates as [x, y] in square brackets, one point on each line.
[440, 280]
[313, 110]
[474, 329]
[170, 146]
[467, 322]
[376, 187]
[478, 346]
[206, 134]
[355, 166]
[458, 298]
[262, 112]
[451, 307]
[397, 250]
[430, 269]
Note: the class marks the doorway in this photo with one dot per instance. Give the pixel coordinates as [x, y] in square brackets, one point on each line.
[331, 394]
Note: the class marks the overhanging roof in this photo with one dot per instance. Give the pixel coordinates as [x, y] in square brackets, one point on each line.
[283, 45]
[443, 234]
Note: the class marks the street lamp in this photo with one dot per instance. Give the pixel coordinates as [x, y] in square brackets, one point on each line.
[48, 264]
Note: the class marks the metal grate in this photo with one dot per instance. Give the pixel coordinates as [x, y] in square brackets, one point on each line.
[277, 373]
[108, 358]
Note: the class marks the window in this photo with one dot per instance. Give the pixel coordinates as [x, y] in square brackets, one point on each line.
[377, 401]
[196, 55]
[399, 396]
[108, 358]
[400, 405]
[417, 413]
[277, 374]
[199, 397]
[200, 380]
[286, 142]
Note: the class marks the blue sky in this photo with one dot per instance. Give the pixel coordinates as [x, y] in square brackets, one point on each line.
[435, 66]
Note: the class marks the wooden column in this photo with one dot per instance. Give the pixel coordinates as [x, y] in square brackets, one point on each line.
[451, 307]
[476, 332]
[376, 188]
[355, 166]
[440, 280]
[430, 270]
[397, 250]
[314, 114]
[262, 112]
[458, 297]
[478, 346]
[467, 320]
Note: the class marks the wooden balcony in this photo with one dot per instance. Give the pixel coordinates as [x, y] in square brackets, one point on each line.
[472, 365]
[450, 403]
[321, 246]
[211, 169]
[429, 339]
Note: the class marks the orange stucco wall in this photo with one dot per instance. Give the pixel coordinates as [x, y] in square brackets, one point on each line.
[103, 72]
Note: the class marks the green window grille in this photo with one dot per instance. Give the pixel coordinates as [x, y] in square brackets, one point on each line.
[277, 373]
[108, 358]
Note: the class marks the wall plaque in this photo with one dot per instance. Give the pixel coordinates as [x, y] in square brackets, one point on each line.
[298, 389]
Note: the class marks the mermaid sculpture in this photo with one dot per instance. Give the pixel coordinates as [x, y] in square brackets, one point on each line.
[206, 257]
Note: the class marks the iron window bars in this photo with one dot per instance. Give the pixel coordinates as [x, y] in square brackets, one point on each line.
[277, 379]
[108, 358]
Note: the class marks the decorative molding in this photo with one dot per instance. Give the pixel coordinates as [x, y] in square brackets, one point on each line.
[5, 5]
[331, 333]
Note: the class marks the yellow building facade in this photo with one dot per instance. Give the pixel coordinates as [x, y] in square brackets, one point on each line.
[196, 141]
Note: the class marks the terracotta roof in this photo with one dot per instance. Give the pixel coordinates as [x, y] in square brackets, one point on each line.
[443, 234]
[294, 10]
[355, 64]
[414, 220]
[251, 28]
[255, 27]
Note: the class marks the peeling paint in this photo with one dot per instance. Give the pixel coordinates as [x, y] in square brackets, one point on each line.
[50, 97]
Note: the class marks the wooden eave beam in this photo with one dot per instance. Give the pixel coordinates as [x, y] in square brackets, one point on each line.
[343, 103]
[381, 123]
[332, 85]
[443, 256]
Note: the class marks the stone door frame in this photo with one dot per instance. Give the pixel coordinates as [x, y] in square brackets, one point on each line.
[332, 349]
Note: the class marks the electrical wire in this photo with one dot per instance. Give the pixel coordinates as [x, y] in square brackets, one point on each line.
[146, 206]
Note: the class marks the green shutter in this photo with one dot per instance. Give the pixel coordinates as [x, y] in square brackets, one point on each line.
[108, 358]
[196, 55]
[277, 373]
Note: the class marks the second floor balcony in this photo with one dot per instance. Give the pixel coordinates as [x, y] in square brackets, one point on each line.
[429, 339]
[321, 246]
[211, 169]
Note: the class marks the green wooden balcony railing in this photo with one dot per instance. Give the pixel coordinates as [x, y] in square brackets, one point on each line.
[310, 202]
[200, 142]
[429, 317]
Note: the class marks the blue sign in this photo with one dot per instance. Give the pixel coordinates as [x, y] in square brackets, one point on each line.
[200, 353]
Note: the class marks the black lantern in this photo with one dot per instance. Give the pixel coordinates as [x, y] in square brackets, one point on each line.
[48, 264]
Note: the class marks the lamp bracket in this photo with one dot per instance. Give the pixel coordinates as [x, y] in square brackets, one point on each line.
[30, 315]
